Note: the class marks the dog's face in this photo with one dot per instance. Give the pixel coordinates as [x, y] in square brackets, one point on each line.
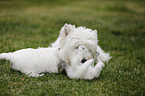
[72, 38]
[82, 54]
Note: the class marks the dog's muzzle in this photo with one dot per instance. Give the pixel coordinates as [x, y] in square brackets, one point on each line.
[83, 60]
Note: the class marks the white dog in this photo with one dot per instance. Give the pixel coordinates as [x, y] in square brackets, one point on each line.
[76, 47]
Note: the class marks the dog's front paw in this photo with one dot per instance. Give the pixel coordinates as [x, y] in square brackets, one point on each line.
[100, 65]
[89, 62]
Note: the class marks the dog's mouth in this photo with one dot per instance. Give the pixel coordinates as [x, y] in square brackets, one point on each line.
[83, 60]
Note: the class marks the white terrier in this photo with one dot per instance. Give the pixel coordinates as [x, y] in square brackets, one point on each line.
[77, 47]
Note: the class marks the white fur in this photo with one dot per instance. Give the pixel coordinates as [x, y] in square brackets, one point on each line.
[71, 38]
[102, 55]
[72, 46]
[34, 61]
[85, 70]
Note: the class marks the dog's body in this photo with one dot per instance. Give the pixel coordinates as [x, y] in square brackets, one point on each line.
[34, 61]
[77, 47]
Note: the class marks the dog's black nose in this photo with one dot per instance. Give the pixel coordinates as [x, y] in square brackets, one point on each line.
[83, 60]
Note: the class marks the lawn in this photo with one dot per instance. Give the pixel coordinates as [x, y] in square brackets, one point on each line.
[121, 31]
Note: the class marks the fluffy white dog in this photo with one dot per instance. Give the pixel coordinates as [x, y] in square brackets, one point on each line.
[76, 47]
[79, 45]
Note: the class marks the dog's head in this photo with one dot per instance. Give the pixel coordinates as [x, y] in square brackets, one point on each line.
[71, 38]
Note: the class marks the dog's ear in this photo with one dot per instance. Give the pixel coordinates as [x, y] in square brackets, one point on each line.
[95, 34]
[95, 31]
[66, 29]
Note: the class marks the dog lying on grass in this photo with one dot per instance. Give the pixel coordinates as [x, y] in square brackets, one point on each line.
[76, 47]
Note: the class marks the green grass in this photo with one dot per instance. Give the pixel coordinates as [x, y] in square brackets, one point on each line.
[121, 31]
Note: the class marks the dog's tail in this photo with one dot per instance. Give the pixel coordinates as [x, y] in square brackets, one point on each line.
[6, 56]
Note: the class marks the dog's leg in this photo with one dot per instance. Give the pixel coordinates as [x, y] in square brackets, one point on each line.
[76, 69]
[94, 71]
[85, 67]
[33, 74]
[102, 55]
[98, 68]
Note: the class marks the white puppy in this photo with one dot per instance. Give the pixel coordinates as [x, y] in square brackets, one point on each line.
[85, 41]
[76, 47]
